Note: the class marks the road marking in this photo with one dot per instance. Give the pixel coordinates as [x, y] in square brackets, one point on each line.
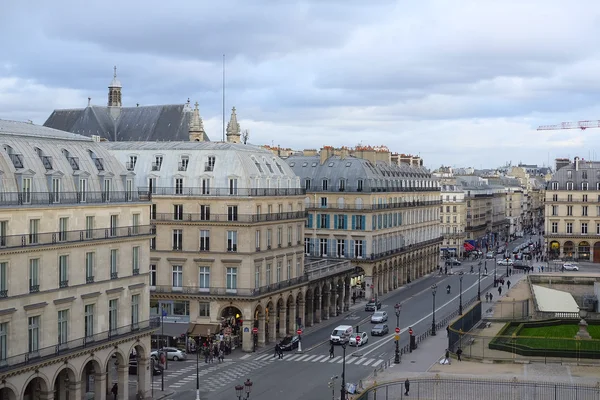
[335, 359]
[376, 363]
[302, 358]
[369, 361]
[319, 358]
[311, 358]
[385, 341]
[263, 357]
[292, 358]
[247, 356]
[326, 359]
[350, 361]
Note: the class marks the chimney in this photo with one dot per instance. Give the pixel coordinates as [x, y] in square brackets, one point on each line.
[561, 162]
[325, 153]
[89, 101]
[576, 163]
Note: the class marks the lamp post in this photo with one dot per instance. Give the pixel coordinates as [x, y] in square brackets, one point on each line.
[495, 280]
[197, 367]
[398, 308]
[163, 312]
[479, 285]
[460, 308]
[245, 388]
[433, 290]
[343, 391]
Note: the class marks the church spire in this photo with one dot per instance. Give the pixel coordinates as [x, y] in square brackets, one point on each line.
[233, 128]
[196, 127]
[114, 91]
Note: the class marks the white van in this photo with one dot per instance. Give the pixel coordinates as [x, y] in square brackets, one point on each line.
[341, 334]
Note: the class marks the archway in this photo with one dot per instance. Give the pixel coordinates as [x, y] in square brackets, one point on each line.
[583, 251]
[259, 323]
[63, 384]
[291, 311]
[281, 316]
[568, 250]
[231, 317]
[554, 250]
[7, 393]
[270, 323]
[36, 389]
[597, 252]
[117, 372]
[91, 379]
[138, 360]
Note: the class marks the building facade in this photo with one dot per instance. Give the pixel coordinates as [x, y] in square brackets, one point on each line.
[74, 257]
[453, 213]
[381, 215]
[572, 216]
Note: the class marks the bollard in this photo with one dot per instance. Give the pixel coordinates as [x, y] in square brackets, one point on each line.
[360, 385]
[375, 373]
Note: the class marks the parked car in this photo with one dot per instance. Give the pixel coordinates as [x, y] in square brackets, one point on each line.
[173, 354]
[489, 255]
[380, 330]
[505, 262]
[570, 266]
[289, 343]
[363, 339]
[452, 262]
[373, 305]
[379, 317]
[156, 370]
[521, 265]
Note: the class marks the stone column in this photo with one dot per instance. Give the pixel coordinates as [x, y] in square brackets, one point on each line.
[282, 321]
[144, 380]
[319, 308]
[74, 389]
[261, 328]
[347, 296]
[123, 380]
[46, 395]
[301, 312]
[247, 339]
[368, 291]
[308, 314]
[326, 310]
[272, 325]
[99, 385]
[292, 322]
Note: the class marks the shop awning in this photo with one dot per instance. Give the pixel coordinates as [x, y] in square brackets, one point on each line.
[468, 246]
[203, 330]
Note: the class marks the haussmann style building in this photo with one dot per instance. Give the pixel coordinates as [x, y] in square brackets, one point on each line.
[74, 256]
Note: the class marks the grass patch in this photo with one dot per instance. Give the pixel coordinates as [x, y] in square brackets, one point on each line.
[559, 331]
[553, 337]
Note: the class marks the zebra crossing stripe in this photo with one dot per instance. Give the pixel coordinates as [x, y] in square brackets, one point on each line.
[263, 357]
[325, 359]
[350, 361]
[311, 358]
[376, 363]
[247, 356]
[360, 361]
[319, 358]
[293, 358]
[368, 361]
[335, 359]
[303, 358]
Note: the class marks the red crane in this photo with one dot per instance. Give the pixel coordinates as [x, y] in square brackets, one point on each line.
[583, 125]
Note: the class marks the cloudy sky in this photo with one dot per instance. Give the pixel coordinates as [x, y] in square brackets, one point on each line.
[462, 83]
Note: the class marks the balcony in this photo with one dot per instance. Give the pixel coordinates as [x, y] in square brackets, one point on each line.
[114, 275]
[97, 340]
[235, 218]
[220, 192]
[52, 238]
[228, 292]
[63, 283]
[136, 271]
[370, 207]
[34, 288]
[3, 293]
[367, 189]
[8, 199]
[89, 279]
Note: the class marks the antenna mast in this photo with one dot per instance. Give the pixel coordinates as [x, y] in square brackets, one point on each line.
[223, 97]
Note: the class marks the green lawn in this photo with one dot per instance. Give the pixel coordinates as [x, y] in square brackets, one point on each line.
[553, 337]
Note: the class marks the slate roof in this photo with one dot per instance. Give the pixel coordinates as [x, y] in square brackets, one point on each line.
[143, 123]
[588, 171]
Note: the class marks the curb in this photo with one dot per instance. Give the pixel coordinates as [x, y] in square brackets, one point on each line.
[162, 396]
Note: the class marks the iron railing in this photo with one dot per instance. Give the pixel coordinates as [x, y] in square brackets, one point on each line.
[221, 192]
[71, 346]
[61, 198]
[236, 218]
[53, 238]
[368, 189]
[375, 207]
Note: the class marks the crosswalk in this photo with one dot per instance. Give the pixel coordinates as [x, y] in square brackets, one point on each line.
[316, 358]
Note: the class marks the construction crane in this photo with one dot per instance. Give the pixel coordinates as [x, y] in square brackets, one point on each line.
[583, 125]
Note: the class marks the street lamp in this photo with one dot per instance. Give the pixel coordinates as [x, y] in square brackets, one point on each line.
[197, 367]
[343, 391]
[479, 285]
[460, 278]
[245, 388]
[433, 290]
[248, 387]
[398, 308]
[495, 280]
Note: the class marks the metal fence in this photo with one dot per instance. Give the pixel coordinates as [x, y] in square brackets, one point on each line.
[509, 310]
[440, 388]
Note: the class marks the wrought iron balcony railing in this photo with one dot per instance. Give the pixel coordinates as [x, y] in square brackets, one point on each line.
[370, 207]
[62, 198]
[220, 192]
[234, 218]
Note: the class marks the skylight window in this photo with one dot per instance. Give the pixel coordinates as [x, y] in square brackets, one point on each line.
[348, 164]
[331, 164]
[292, 164]
[314, 164]
[304, 164]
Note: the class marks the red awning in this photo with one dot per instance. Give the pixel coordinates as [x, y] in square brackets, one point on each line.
[468, 246]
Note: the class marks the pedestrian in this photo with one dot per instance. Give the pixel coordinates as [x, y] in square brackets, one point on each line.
[115, 390]
[331, 350]
[485, 270]
[406, 386]
[499, 290]
[487, 297]
[276, 350]
[491, 296]
[458, 353]
[446, 270]
[447, 357]
[508, 284]
[448, 330]
[280, 353]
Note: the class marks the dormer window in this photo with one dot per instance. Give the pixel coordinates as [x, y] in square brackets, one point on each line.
[183, 164]
[307, 184]
[583, 174]
[97, 161]
[314, 164]
[279, 168]
[304, 164]
[17, 159]
[46, 160]
[73, 161]
[269, 166]
[569, 185]
[342, 185]
[584, 186]
[554, 185]
[158, 160]
[569, 174]
[292, 164]
[324, 184]
[331, 164]
[210, 164]
[131, 163]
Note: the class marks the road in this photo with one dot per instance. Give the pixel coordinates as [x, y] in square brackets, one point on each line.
[306, 376]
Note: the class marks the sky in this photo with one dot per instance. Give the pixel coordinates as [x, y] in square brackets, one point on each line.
[460, 83]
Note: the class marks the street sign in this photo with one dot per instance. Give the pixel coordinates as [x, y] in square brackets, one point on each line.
[255, 330]
[410, 331]
[396, 337]
[398, 330]
[357, 338]
[299, 331]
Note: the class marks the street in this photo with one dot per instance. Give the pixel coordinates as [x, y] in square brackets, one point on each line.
[306, 375]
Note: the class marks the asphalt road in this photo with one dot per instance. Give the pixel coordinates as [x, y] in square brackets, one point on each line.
[306, 376]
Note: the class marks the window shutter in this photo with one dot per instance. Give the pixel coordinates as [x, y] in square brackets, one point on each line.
[335, 221]
[346, 249]
[318, 221]
[327, 221]
[351, 248]
[310, 220]
[354, 222]
[374, 223]
[364, 222]
[345, 222]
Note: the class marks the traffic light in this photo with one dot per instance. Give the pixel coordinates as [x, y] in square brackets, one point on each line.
[331, 384]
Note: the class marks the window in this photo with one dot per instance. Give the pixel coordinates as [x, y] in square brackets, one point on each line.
[152, 185]
[341, 221]
[342, 185]
[340, 248]
[584, 228]
[63, 226]
[584, 211]
[359, 185]
[113, 315]
[204, 240]
[33, 334]
[232, 213]
[211, 163]
[204, 277]
[231, 280]
[298, 233]
[554, 210]
[152, 274]
[88, 320]
[358, 248]
[257, 240]
[89, 267]
[323, 221]
[34, 275]
[107, 190]
[307, 246]
[178, 212]
[3, 279]
[278, 273]
[233, 186]
[63, 326]
[183, 164]
[26, 190]
[268, 275]
[131, 163]
[584, 186]
[323, 201]
[63, 271]
[554, 197]
[34, 230]
[3, 231]
[569, 174]
[584, 175]
[135, 224]
[307, 184]
[114, 268]
[597, 228]
[289, 235]
[203, 309]
[177, 276]
[135, 310]
[3, 340]
[56, 190]
[177, 239]
[323, 247]
[569, 185]
[298, 268]
[359, 224]
[232, 241]
[135, 260]
[279, 236]
[206, 186]
[114, 224]
[569, 210]
[157, 163]
[555, 227]
[178, 185]
[289, 269]
[257, 269]
[569, 227]
[585, 198]
[324, 183]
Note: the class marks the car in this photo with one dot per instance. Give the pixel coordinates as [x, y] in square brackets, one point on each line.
[452, 262]
[521, 265]
[380, 330]
[373, 305]
[289, 343]
[570, 267]
[379, 317]
[505, 262]
[173, 354]
[363, 338]
[156, 370]
[489, 255]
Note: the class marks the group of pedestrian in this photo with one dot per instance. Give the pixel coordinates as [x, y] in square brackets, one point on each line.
[212, 352]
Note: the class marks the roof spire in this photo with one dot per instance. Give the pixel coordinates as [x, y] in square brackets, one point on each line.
[196, 127]
[233, 128]
[115, 73]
